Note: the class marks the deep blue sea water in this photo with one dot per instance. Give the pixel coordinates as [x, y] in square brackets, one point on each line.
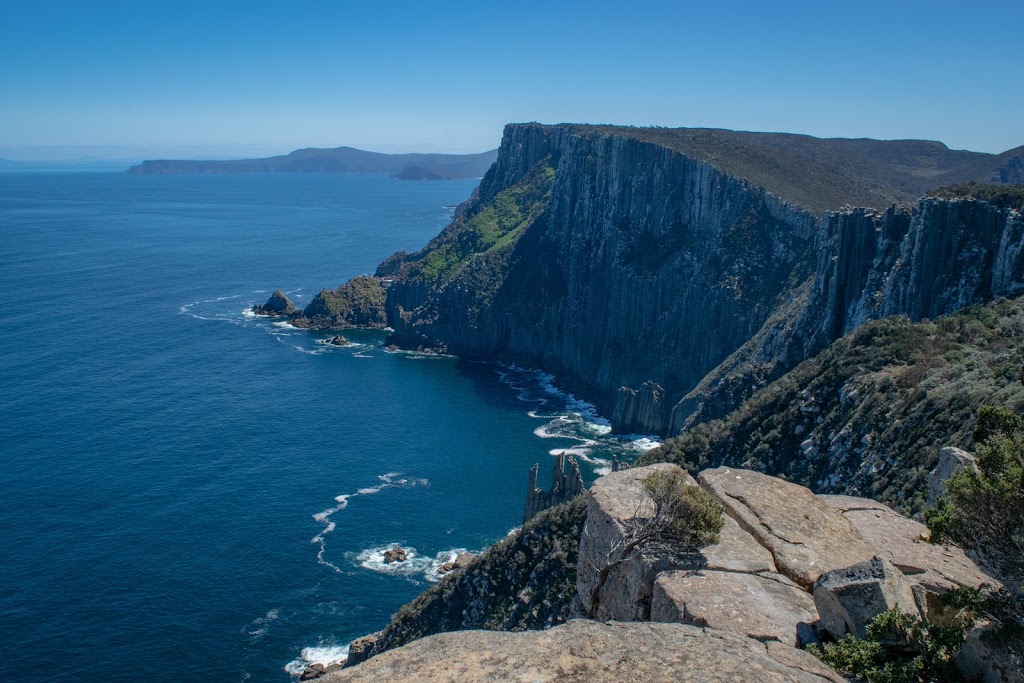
[188, 492]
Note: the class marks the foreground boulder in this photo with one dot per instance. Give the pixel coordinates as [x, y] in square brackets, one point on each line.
[591, 652]
[848, 599]
[929, 568]
[277, 305]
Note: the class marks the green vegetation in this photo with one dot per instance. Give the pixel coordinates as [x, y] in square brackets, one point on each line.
[525, 581]
[1003, 196]
[903, 648]
[357, 303]
[491, 226]
[983, 508]
[684, 518]
[868, 415]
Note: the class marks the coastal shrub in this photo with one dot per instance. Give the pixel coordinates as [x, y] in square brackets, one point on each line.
[868, 415]
[983, 507]
[903, 648]
[683, 518]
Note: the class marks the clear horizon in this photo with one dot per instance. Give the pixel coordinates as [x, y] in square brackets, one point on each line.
[127, 81]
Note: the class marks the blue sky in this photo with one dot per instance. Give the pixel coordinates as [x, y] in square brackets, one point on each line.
[149, 78]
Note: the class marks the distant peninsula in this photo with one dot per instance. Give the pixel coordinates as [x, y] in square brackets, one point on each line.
[337, 160]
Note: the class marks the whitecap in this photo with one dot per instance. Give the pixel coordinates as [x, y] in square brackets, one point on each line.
[323, 654]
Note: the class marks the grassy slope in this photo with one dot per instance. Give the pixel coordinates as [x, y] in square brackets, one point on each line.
[868, 415]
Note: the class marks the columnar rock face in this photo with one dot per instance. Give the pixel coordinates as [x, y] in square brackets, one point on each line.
[939, 257]
[566, 484]
[644, 265]
[667, 288]
[590, 652]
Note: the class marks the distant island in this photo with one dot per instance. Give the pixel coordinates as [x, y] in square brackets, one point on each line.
[338, 160]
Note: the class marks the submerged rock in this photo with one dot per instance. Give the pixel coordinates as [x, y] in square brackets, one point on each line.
[277, 304]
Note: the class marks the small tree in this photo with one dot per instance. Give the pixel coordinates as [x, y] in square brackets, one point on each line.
[685, 518]
[983, 508]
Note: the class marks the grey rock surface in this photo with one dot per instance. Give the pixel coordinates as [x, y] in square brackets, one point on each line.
[760, 606]
[950, 460]
[591, 652]
[806, 536]
[848, 599]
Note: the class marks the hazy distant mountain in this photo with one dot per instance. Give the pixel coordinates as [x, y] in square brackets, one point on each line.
[338, 160]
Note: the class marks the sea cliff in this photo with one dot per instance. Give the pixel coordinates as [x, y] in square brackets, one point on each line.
[666, 289]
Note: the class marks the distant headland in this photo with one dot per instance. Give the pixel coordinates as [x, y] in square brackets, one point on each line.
[337, 160]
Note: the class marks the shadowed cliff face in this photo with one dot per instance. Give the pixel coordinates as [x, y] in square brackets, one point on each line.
[640, 264]
[667, 290]
[936, 259]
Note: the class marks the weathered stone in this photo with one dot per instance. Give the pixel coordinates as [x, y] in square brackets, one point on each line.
[736, 551]
[277, 304]
[930, 569]
[806, 536]
[591, 652]
[950, 460]
[991, 663]
[848, 599]
[396, 554]
[615, 500]
[361, 649]
[763, 607]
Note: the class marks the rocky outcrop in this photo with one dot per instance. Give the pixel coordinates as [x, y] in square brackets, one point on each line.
[760, 606]
[930, 569]
[357, 303]
[615, 501]
[277, 305]
[789, 568]
[950, 460]
[642, 410]
[848, 599]
[591, 652]
[806, 536]
[566, 484]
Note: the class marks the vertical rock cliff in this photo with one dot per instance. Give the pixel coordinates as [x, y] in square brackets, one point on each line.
[667, 274]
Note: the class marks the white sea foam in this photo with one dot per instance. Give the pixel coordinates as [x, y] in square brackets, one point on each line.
[414, 566]
[325, 654]
[388, 480]
[257, 628]
[571, 419]
[361, 355]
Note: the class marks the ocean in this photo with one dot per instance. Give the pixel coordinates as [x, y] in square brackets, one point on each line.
[190, 492]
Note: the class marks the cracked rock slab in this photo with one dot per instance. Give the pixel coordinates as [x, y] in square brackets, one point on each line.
[935, 568]
[584, 651]
[805, 535]
[767, 607]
